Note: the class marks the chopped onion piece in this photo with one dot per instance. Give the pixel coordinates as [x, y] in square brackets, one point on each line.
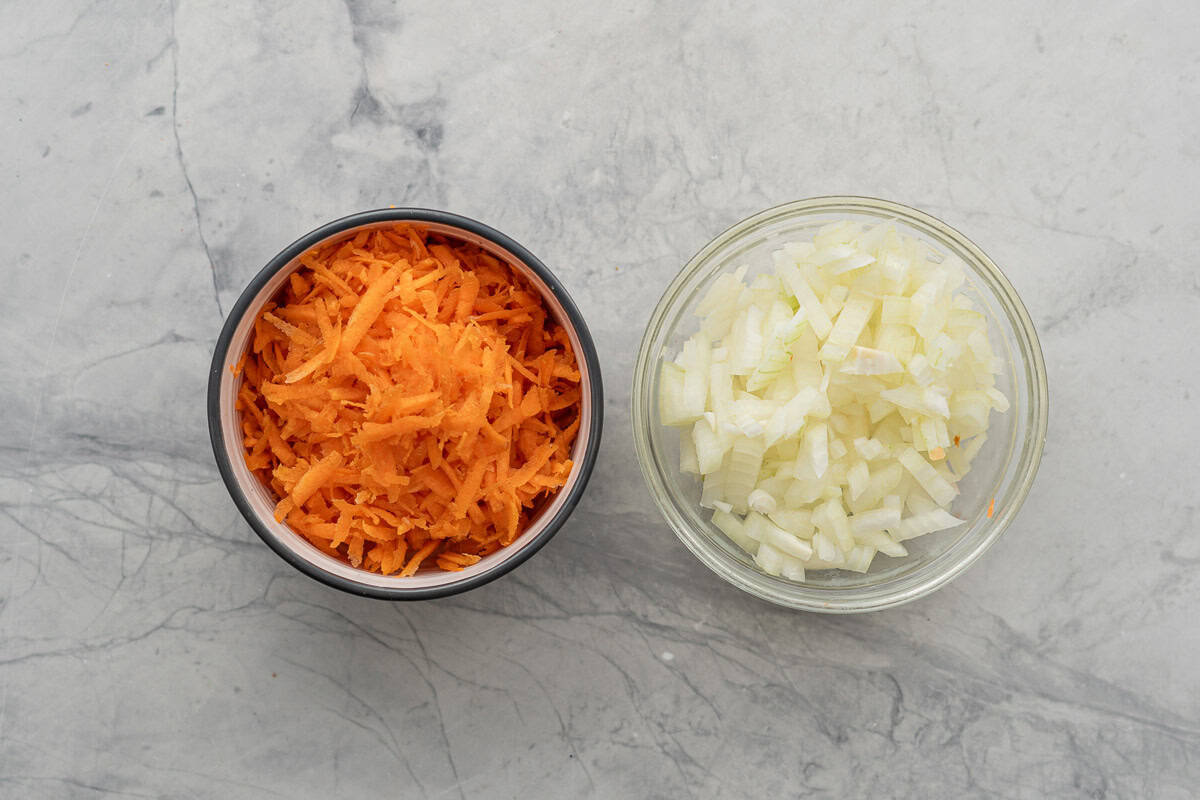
[746, 347]
[671, 404]
[833, 254]
[869, 361]
[762, 502]
[786, 542]
[869, 449]
[837, 449]
[770, 559]
[851, 262]
[933, 483]
[918, 367]
[778, 353]
[816, 444]
[796, 522]
[825, 548]
[833, 518]
[849, 326]
[713, 490]
[793, 569]
[999, 401]
[733, 527]
[817, 317]
[857, 478]
[884, 543]
[935, 519]
[859, 558]
[879, 519]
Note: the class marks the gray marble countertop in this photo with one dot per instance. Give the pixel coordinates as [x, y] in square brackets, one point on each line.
[157, 154]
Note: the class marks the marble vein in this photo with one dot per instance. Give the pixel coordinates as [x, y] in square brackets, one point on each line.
[173, 45]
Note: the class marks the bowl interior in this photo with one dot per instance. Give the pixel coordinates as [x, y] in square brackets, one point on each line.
[1001, 470]
[262, 502]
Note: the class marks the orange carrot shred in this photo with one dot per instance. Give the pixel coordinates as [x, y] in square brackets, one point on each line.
[408, 400]
[991, 508]
[415, 562]
[237, 368]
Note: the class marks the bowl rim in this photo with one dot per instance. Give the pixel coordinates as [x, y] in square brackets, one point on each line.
[849, 599]
[282, 260]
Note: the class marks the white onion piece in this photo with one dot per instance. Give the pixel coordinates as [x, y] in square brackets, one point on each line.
[859, 558]
[879, 519]
[869, 361]
[793, 569]
[796, 522]
[884, 544]
[849, 326]
[762, 502]
[769, 558]
[938, 488]
[935, 519]
[786, 542]
[733, 527]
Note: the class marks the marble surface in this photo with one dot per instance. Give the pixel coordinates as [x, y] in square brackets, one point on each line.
[157, 154]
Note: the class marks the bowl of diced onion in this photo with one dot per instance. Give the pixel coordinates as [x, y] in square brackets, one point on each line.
[839, 404]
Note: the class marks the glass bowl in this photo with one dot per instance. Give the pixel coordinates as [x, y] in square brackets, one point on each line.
[1004, 468]
[255, 500]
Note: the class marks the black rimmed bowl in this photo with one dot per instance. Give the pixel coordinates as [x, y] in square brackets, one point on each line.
[256, 501]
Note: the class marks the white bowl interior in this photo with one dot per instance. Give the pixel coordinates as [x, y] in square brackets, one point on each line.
[262, 501]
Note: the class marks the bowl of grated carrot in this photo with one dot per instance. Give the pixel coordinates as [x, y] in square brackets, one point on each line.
[405, 404]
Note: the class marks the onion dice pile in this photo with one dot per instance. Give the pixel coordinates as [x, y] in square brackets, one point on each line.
[832, 405]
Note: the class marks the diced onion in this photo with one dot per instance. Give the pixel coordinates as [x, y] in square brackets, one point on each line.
[831, 406]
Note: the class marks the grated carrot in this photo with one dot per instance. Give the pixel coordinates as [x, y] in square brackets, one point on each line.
[991, 508]
[409, 401]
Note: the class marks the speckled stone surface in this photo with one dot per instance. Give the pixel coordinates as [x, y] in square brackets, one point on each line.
[156, 155]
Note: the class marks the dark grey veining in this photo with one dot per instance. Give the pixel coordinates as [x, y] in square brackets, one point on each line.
[158, 153]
